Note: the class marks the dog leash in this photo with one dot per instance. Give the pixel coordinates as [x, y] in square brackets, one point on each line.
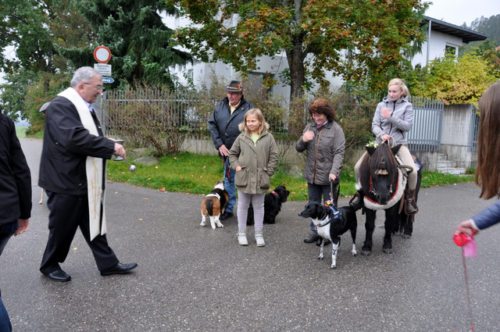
[467, 293]
[333, 189]
[466, 243]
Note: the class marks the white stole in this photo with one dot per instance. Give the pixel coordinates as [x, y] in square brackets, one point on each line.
[93, 167]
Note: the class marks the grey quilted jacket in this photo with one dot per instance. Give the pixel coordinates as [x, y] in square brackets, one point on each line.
[398, 124]
[325, 153]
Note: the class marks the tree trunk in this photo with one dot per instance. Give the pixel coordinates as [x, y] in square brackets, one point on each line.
[295, 58]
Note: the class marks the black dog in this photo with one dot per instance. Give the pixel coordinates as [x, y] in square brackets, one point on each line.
[272, 205]
[331, 224]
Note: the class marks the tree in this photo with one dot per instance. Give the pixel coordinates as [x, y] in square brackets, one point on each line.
[34, 32]
[350, 38]
[24, 30]
[139, 41]
[457, 82]
[25, 35]
[489, 26]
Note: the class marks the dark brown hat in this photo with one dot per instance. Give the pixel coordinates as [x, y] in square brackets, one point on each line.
[234, 86]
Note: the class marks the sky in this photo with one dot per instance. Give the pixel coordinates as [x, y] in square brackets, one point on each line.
[462, 11]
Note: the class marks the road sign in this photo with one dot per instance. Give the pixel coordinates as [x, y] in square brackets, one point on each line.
[107, 80]
[102, 54]
[103, 69]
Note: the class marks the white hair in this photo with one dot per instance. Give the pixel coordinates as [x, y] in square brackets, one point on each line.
[83, 74]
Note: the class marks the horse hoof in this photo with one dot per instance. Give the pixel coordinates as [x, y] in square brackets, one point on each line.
[406, 236]
[387, 250]
[333, 267]
[366, 252]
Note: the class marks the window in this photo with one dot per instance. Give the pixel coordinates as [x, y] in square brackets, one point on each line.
[451, 50]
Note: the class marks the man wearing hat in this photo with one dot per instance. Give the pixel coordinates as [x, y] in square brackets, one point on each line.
[223, 126]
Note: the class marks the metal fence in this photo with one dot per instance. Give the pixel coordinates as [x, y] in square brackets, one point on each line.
[474, 131]
[425, 134]
[148, 117]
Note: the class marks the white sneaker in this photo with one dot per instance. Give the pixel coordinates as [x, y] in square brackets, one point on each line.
[260, 240]
[242, 239]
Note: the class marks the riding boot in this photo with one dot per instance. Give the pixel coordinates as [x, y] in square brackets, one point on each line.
[410, 203]
[356, 201]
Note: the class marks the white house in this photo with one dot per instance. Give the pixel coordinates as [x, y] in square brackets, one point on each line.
[443, 38]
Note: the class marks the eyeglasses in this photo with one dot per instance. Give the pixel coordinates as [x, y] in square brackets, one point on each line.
[98, 87]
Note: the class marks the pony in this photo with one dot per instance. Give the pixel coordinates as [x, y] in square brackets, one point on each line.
[383, 183]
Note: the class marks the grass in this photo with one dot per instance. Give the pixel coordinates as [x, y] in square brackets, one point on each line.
[197, 174]
[21, 131]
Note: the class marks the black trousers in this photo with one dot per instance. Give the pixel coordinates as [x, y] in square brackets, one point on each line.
[67, 213]
[6, 231]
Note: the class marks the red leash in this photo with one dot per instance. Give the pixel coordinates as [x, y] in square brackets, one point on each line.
[468, 246]
[467, 292]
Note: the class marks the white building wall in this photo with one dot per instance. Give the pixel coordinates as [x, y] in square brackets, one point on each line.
[438, 44]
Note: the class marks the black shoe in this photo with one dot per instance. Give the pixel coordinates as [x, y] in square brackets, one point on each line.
[120, 268]
[58, 275]
[311, 238]
[226, 215]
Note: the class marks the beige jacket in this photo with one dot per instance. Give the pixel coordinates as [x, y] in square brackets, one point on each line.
[257, 160]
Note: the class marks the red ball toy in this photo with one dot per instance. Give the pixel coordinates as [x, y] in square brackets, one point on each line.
[461, 239]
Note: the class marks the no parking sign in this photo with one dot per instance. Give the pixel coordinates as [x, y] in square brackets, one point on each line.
[102, 54]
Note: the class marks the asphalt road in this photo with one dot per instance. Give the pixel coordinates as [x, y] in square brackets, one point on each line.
[195, 279]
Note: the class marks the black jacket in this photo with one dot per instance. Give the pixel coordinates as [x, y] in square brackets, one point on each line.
[223, 125]
[15, 176]
[66, 145]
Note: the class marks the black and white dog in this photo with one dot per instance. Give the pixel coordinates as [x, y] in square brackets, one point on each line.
[272, 205]
[331, 224]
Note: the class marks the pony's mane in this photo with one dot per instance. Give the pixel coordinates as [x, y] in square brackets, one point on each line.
[382, 159]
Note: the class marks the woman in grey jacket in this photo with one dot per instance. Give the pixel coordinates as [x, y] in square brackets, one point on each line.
[324, 142]
[392, 120]
[254, 157]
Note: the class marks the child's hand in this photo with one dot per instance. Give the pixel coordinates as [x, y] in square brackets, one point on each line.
[467, 227]
[238, 168]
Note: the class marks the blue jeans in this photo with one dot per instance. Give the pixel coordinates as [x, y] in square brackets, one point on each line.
[229, 185]
[321, 193]
[6, 231]
[5, 325]
[317, 193]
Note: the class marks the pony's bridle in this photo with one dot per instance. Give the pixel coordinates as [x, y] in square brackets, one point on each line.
[382, 172]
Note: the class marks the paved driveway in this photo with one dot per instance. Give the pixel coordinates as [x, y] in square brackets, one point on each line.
[195, 279]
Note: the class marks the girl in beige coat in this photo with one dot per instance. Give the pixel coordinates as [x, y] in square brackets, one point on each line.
[254, 157]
